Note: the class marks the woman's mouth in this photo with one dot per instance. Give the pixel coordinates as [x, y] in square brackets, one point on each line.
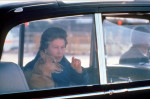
[58, 59]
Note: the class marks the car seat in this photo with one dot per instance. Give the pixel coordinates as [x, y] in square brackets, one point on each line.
[12, 78]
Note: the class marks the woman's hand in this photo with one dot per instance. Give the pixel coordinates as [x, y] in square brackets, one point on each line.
[76, 64]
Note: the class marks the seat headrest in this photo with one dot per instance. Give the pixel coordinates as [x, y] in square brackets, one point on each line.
[12, 78]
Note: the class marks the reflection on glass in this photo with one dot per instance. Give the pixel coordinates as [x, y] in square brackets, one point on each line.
[137, 54]
[127, 44]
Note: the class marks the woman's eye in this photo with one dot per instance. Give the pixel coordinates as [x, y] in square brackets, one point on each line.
[55, 47]
[63, 47]
[53, 61]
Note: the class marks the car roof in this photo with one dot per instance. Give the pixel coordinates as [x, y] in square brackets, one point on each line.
[8, 5]
[11, 4]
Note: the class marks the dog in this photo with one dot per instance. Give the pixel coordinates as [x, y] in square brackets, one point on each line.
[41, 77]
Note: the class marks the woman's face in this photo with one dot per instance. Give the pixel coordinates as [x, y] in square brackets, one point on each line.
[57, 48]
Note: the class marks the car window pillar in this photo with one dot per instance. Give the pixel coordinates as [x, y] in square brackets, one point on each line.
[21, 45]
[100, 46]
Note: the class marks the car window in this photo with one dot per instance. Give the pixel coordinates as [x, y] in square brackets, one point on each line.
[57, 52]
[11, 46]
[127, 49]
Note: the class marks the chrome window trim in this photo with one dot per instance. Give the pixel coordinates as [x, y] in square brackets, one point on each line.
[109, 92]
[100, 46]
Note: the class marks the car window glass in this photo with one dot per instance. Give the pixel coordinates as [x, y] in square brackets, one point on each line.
[127, 49]
[11, 46]
[78, 51]
[56, 52]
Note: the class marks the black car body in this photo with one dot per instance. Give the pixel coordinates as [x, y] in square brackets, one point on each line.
[99, 31]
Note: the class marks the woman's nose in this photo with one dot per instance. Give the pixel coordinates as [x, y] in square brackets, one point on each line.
[60, 50]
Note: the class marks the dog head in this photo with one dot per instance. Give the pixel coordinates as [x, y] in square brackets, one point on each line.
[47, 63]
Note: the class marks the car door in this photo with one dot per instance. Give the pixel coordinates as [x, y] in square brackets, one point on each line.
[81, 45]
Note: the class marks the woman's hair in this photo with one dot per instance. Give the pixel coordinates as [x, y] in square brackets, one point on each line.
[51, 34]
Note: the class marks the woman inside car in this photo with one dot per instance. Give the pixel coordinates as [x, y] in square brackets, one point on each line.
[54, 42]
